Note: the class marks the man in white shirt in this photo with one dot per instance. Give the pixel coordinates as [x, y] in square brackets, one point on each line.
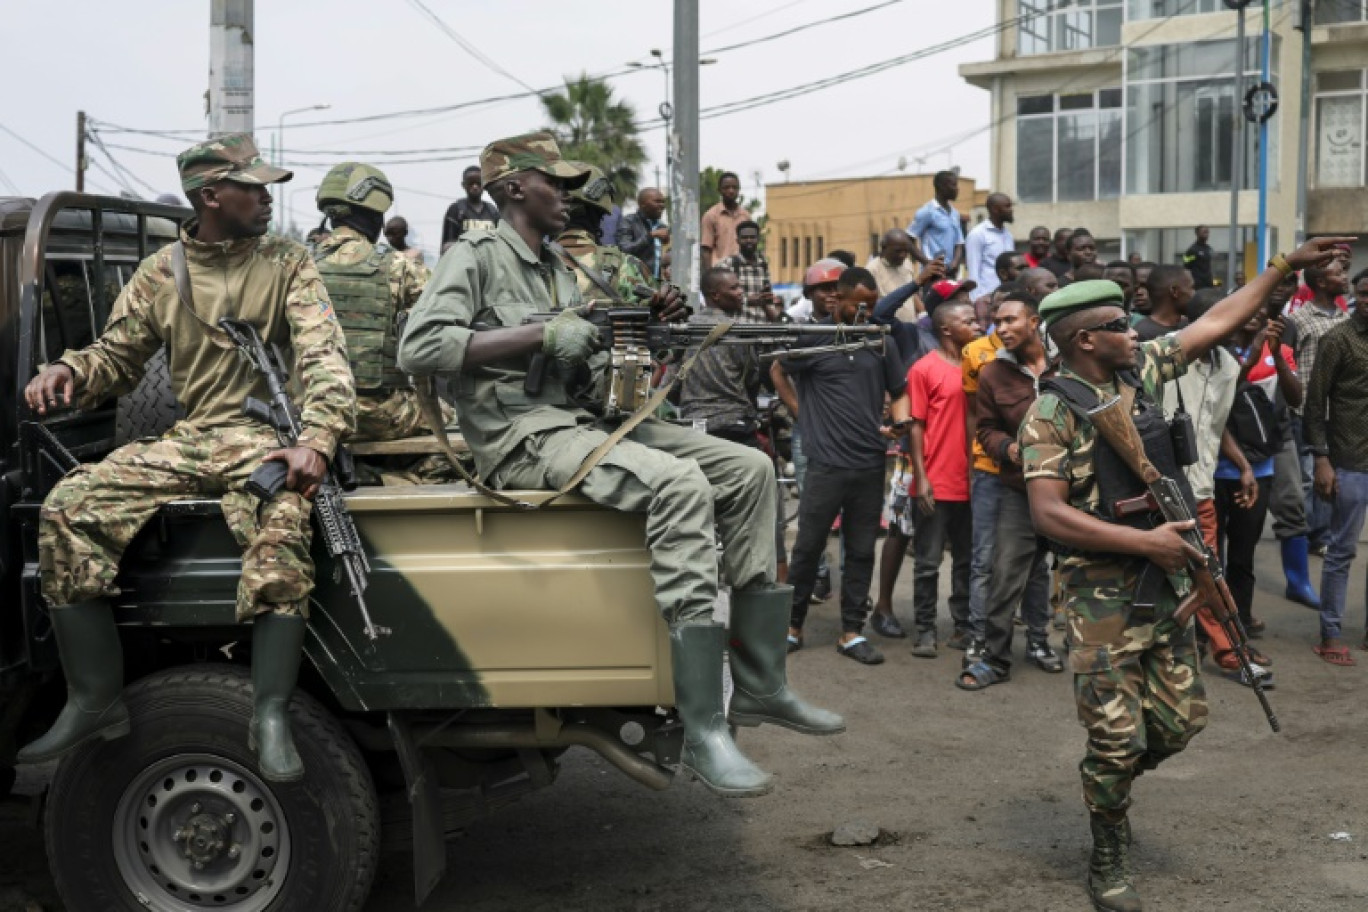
[989, 239]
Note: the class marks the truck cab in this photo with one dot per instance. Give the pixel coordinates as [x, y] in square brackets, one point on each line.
[516, 635]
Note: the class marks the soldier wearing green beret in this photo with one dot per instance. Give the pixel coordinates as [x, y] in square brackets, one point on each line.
[232, 268]
[370, 288]
[1136, 680]
[691, 487]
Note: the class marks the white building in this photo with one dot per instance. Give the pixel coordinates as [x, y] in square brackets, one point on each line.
[1118, 115]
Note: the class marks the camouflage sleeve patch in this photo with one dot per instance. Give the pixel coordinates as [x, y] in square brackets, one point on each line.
[1044, 439]
[113, 364]
[328, 409]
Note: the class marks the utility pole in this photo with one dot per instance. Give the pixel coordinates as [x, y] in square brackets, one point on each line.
[1304, 123]
[80, 151]
[1237, 169]
[684, 157]
[231, 95]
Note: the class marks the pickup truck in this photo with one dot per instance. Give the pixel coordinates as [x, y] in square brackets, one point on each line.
[516, 636]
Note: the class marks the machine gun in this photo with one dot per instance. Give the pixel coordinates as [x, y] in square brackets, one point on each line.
[633, 338]
[1113, 422]
[330, 510]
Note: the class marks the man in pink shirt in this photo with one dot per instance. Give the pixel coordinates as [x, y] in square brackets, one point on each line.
[940, 465]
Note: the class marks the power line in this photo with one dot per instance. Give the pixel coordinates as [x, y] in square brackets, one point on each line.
[95, 138]
[8, 183]
[804, 27]
[52, 158]
[466, 45]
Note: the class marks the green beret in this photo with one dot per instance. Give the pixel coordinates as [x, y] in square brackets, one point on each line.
[1078, 296]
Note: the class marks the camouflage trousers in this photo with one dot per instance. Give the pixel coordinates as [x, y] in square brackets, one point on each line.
[693, 489]
[94, 512]
[394, 416]
[1139, 693]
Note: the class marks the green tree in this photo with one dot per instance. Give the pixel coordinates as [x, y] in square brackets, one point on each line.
[592, 126]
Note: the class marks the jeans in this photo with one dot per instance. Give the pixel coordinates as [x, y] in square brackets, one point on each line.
[1317, 510]
[986, 491]
[856, 494]
[1020, 574]
[800, 465]
[1287, 502]
[1346, 522]
[951, 520]
[1238, 531]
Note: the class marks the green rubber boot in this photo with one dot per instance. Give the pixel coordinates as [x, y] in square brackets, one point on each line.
[709, 752]
[92, 659]
[759, 652]
[1109, 879]
[277, 645]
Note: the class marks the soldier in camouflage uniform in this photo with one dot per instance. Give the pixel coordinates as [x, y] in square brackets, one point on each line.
[588, 205]
[371, 288]
[1136, 681]
[691, 487]
[90, 517]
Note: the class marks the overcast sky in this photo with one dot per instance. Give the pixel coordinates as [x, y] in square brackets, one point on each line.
[144, 64]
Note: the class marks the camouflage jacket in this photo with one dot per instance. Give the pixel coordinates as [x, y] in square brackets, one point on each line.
[622, 270]
[407, 276]
[270, 282]
[1055, 444]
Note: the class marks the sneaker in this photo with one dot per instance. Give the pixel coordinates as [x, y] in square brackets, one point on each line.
[1263, 674]
[926, 647]
[822, 590]
[960, 639]
[1043, 657]
[975, 652]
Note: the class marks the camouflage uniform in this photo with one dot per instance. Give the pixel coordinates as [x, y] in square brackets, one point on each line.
[388, 414]
[1136, 681]
[622, 270]
[93, 513]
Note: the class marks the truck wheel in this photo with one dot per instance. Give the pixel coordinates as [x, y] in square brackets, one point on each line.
[175, 816]
[151, 409]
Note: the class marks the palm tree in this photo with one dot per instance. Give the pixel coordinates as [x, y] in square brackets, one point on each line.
[591, 126]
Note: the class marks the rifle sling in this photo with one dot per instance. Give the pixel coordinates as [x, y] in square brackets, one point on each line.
[593, 275]
[432, 414]
[185, 293]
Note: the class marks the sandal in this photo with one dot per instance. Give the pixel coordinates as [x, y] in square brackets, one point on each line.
[861, 650]
[981, 675]
[1335, 655]
[1228, 661]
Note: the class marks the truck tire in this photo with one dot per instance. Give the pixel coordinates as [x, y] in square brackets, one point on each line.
[175, 817]
[151, 409]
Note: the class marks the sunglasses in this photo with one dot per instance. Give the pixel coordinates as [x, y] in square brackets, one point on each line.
[1119, 325]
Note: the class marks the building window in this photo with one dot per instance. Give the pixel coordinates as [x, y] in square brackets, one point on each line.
[1181, 115]
[1069, 146]
[797, 260]
[783, 252]
[1339, 113]
[821, 246]
[1336, 12]
[807, 250]
[1156, 9]
[1067, 25]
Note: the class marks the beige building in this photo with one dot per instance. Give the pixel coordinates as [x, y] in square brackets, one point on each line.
[808, 219]
[1119, 115]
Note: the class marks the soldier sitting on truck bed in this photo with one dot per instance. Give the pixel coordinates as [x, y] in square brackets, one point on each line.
[90, 517]
[687, 484]
[370, 287]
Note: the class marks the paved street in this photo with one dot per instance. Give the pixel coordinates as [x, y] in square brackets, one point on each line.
[977, 794]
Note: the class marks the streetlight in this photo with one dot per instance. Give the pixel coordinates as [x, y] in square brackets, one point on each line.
[280, 134]
[666, 109]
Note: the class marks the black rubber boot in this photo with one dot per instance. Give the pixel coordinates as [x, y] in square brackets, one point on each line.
[277, 645]
[709, 752]
[759, 653]
[92, 660]
[1109, 878]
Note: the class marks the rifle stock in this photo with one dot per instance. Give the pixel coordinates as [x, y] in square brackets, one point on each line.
[1112, 420]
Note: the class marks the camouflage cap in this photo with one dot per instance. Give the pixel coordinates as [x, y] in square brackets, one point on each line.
[233, 156]
[529, 152]
[1077, 296]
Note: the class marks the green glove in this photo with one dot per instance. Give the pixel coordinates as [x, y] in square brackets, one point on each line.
[568, 338]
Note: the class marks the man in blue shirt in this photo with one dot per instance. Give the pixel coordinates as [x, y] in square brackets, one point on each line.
[936, 229]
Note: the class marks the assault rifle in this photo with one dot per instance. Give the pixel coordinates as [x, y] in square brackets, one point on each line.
[633, 336]
[330, 510]
[1112, 420]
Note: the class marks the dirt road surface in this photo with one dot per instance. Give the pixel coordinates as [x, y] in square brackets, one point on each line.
[977, 795]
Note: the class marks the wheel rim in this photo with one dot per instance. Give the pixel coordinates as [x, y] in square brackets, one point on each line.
[201, 831]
